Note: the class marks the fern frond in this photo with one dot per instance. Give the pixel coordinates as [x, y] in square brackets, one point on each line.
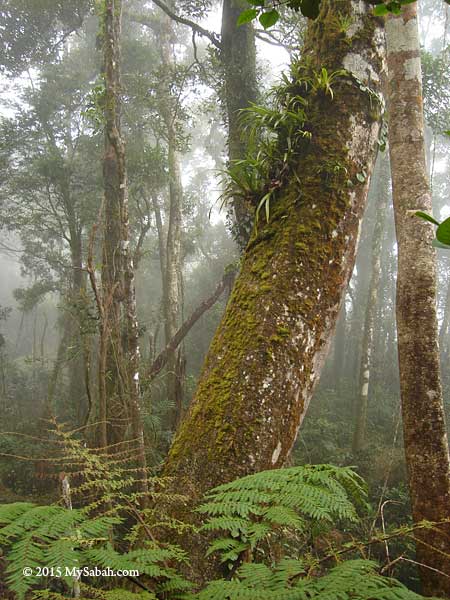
[228, 547]
[350, 580]
[253, 506]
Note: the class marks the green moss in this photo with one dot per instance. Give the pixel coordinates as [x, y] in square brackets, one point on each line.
[283, 331]
[292, 251]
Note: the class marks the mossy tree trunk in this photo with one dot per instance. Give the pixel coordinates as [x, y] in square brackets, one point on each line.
[267, 354]
[119, 368]
[238, 57]
[359, 436]
[425, 436]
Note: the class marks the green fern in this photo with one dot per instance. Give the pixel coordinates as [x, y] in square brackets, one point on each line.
[52, 536]
[90, 593]
[350, 580]
[292, 499]
[274, 135]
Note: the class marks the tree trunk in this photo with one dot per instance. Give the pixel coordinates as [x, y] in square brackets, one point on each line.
[78, 385]
[238, 56]
[172, 293]
[359, 436]
[425, 438]
[119, 369]
[265, 358]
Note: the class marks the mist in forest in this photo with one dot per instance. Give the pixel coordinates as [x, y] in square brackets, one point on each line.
[193, 291]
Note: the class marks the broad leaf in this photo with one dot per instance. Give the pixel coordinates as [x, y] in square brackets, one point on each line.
[246, 16]
[268, 19]
[443, 232]
[310, 8]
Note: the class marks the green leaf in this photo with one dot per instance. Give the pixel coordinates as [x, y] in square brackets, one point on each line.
[443, 232]
[256, 3]
[360, 177]
[380, 10]
[447, 132]
[310, 8]
[246, 16]
[268, 19]
[426, 217]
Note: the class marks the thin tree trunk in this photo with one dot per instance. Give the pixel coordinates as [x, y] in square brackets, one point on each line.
[266, 356]
[50, 409]
[77, 381]
[238, 56]
[338, 366]
[425, 438]
[172, 293]
[443, 333]
[359, 436]
[120, 370]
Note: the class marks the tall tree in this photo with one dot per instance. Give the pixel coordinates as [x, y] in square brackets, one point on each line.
[51, 161]
[119, 359]
[425, 436]
[268, 351]
[366, 363]
[172, 264]
[238, 58]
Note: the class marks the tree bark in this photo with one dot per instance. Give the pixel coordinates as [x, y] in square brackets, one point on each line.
[266, 356]
[172, 293]
[238, 57]
[425, 438]
[359, 436]
[119, 369]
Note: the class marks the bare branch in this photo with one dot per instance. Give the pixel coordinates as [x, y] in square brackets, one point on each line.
[142, 20]
[225, 283]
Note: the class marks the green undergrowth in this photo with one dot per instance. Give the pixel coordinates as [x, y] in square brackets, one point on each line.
[267, 530]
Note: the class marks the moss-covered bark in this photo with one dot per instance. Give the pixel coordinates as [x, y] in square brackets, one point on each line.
[269, 348]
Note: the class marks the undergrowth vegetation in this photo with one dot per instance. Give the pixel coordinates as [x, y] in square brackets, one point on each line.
[275, 532]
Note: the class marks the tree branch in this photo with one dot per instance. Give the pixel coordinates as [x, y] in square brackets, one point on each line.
[159, 362]
[142, 20]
